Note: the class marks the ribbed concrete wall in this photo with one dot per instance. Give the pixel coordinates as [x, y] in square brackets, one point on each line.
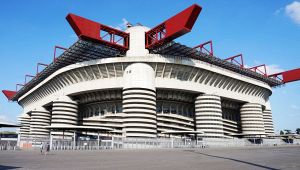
[268, 122]
[208, 115]
[24, 120]
[40, 118]
[140, 108]
[139, 101]
[64, 113]
[252, 119]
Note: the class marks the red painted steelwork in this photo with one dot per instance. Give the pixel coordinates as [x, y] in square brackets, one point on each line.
[287, 76]
[202, 48]
[28, 76]
[96, 32]
[57, 47]
[37, 67]
[9, 94]
[258, 69]
[17, 85]
[172, 28]
[234, 60]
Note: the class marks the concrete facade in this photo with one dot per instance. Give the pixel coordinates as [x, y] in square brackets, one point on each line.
[143, 95]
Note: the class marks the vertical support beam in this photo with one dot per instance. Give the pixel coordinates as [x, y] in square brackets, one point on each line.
[27, 75]
[51, 140]
[18, 85]
[234, 60]
[37, 67]
[98, 140]
[55, 48]
[203, 48]
[112, 141]
[257, 69]
[74, 140]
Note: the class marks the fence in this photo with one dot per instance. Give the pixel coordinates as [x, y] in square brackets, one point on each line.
[8, 144]
[141, 143]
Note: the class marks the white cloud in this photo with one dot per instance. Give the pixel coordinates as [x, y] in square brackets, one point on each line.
[273, 68]
[123, 25]
[293, 11]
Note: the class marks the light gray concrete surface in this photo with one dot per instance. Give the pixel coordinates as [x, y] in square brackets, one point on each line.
[160, 159]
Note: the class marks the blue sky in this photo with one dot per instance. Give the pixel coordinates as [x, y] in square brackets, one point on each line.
[264, 31]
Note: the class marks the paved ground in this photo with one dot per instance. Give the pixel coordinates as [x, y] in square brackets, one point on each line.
[173, 159]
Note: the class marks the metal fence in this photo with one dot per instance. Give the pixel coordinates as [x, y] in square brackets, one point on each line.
[125, 143]
[135, 143]
[8, 145]
[113, 143]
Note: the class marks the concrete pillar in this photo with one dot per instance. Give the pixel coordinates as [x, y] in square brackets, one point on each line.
[64, 113]
[268, 120]
[137, 41]
[24, 131]
[252, 119]
[40, 118]
[208, 115]
[139, 101]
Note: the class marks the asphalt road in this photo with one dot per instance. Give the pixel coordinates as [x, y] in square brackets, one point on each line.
[174, 159]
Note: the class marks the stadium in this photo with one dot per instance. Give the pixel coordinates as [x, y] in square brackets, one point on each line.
[140, 83]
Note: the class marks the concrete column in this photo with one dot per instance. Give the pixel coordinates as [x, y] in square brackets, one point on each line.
[139, 101]
[51, 140]
[268, 120]
[252, 119]
[208, 115]
[74, 140]
[64, 113]
[24, 120]
[137, 41]
[40, 118]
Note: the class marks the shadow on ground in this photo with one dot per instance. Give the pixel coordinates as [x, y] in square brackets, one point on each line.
[232, 159]
[3, 167]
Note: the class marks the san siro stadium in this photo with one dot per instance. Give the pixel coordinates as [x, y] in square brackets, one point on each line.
[141, 84]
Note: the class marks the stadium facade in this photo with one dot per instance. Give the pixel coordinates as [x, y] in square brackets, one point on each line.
[144, 87]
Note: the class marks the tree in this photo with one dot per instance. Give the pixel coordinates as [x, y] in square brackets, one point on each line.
[281, 132]
[298, 131]
[287, 131]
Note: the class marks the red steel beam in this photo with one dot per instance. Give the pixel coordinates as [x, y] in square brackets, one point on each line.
[17, 85]
[287, 76]
[234, 60]
[96, 32]
[203, 48]
[172, 28]
[257, 69]
[37, 67]
[27, 75]
[9, 94]
[57, 47]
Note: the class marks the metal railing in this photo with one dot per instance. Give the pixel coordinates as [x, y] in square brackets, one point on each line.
[8, 145]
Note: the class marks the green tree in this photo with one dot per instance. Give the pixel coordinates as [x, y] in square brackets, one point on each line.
[287, 131]
[298, 131]
[281, 132]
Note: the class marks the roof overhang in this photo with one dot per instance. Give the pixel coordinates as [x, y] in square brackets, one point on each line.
[80, 128]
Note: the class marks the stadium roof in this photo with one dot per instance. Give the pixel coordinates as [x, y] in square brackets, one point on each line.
[5, 124]
[84, 50]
